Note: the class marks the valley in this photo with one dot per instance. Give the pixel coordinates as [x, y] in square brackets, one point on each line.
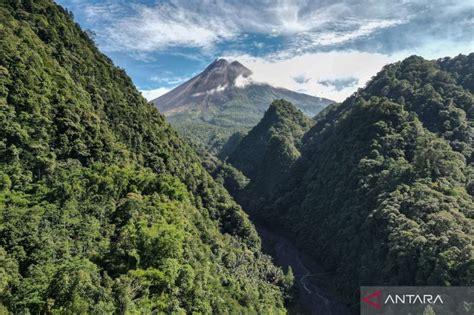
[225, 195]
[311, 281]
[377, 180]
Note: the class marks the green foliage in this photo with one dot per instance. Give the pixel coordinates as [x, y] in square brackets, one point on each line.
[103, 209]
[268, 150]
[383, 190]
[438, 92]
[230, 177]
[212, 125]
[230, 145]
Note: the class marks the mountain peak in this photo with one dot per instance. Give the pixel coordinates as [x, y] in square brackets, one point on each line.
[226, 71]
[285, 112]
[242, 69]
[218, 63]
[278, 135]
[282, 105]
[219, 76]
[225, 98]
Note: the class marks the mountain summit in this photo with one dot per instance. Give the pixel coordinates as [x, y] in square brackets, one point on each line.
[223, 100]
[277, 138]
[203, 88]
[224, 72]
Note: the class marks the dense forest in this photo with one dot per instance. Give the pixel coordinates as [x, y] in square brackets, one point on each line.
[269, 150]
[103, 208]
[382, 192]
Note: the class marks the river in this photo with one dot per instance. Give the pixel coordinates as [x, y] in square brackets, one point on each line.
[313, 298]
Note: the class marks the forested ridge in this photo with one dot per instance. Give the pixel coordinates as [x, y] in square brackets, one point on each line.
[103, 209]
[382, 193]
[268, 151]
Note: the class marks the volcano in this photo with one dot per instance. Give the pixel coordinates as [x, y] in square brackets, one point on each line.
[223, 100]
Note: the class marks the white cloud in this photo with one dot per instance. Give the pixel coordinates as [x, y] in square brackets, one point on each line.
[439, 49]
[303, 25]
[220, 88]
[164, 26]
[168, 79]
[318, 71]
[357, 30]
[154, 93]
[183, 23]
[242, 81]
[296, 32]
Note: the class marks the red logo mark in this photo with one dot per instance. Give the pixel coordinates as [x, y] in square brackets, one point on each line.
[374, 299]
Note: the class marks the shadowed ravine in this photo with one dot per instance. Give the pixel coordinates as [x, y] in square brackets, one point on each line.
[312, 298]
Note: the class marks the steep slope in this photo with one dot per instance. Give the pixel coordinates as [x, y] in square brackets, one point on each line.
[270, 148]
[223, 100]
[103, 209]
[383, 190]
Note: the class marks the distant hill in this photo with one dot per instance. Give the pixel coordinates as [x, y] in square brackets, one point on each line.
[104, 209]
[382, 193]
[271, 147]
[223, 100]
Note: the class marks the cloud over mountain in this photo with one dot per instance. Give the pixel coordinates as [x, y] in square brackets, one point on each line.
[176, 38]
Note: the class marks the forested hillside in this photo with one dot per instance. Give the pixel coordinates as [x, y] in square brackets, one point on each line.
[383, 190]
[269, 150]
[103, 209]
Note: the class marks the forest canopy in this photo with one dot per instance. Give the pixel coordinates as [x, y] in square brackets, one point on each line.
[381, 191]
[103, 208]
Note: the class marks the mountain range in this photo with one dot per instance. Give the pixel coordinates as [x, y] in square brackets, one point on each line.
[106, 209]
[380, 189]
[223, 100]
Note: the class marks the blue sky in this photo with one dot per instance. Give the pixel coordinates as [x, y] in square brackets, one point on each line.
[324, 48]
